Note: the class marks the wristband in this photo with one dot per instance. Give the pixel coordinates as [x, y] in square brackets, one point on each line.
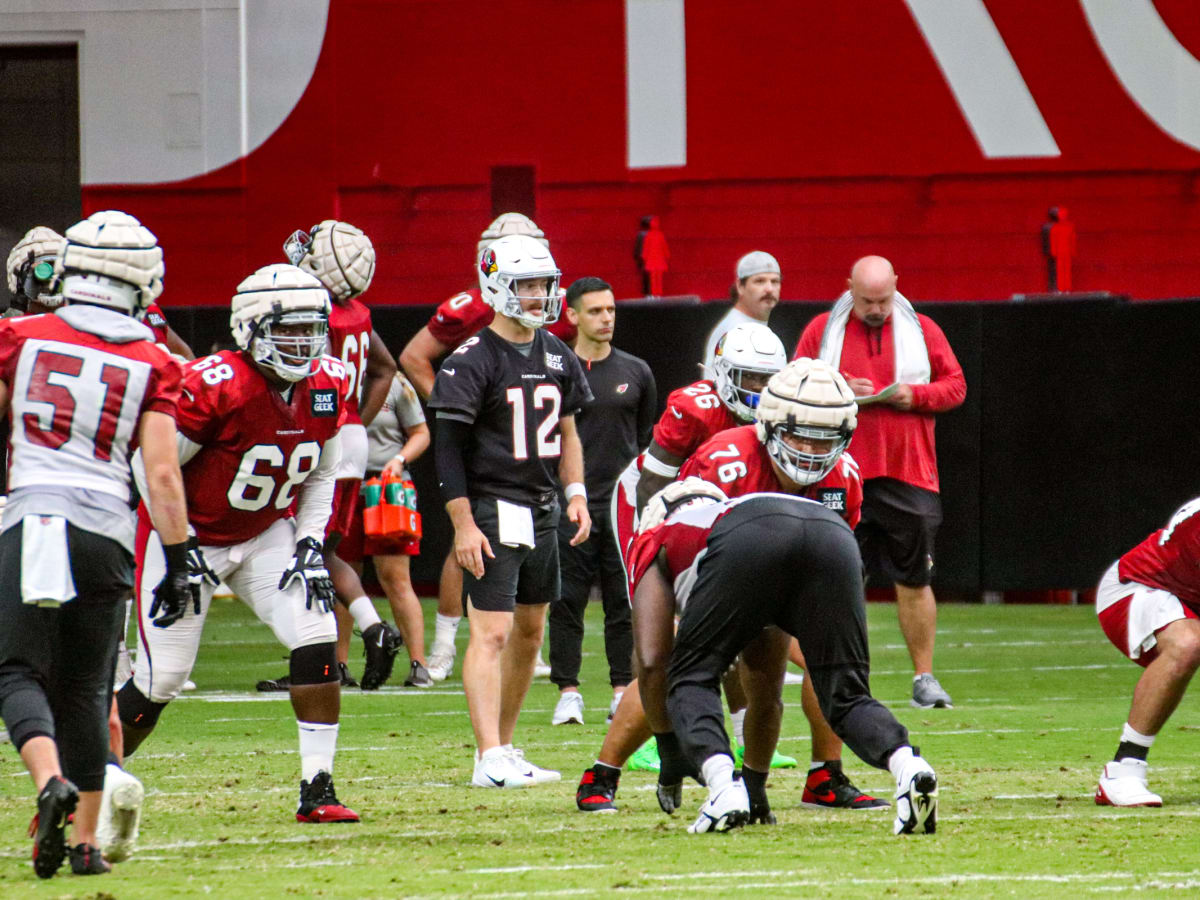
[656, 466]
[403, 461]
[575, 489]
[176, 556]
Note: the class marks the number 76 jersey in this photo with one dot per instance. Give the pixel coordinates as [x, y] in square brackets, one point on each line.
[257, 447]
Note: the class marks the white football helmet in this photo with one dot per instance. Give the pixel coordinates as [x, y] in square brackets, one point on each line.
[110, 259]
[281, 295]
[747, 349]
[514, 258]
[30, 268]
[339, 254]
[675, 495]
[509, 223]
[807, 399]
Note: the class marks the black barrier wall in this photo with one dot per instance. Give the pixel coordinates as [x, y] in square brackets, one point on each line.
[1078, 436]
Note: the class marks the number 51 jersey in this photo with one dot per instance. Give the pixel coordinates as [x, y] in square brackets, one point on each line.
[257, 445]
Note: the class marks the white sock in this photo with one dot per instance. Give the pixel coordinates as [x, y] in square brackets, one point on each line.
[717, 771]
[898, 760]
[494, 753]
[364, 612]
[1136, 737]
[739, 727]
[318, 742]
[444, 630]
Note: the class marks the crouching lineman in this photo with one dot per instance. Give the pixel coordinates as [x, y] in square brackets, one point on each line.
[1149, 607]
[84, 385]
[256, 439]
[729, 569]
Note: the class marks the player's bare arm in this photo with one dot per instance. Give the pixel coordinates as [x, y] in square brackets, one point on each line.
[164, 483]
[570, 470]
[470, 544]
[378, 379]
[417, 444]
[653, 639]
[659, 469]
[177, 345]
[417, 357]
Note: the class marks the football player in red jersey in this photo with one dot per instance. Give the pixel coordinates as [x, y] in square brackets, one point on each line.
[164, 335]
[1149, 607]
[692, 559]
[806, 416]
[85, 385]
[455, 320]
[257, 431]
[343, 258]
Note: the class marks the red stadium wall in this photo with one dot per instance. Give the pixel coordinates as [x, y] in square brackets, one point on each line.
[819, 131]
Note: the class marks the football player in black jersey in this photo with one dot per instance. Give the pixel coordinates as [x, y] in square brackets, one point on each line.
[505, 402]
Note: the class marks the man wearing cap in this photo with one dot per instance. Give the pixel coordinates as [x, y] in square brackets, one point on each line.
[758, 281]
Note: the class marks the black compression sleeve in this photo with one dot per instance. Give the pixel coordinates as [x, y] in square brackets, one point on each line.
[449, 455]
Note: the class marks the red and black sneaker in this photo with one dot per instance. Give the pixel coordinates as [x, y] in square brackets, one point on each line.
[55, 803]
[597, 789]
[829, 788]
[319, 804]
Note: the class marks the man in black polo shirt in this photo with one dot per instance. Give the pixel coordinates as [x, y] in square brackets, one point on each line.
[505, 402]
[612, 429]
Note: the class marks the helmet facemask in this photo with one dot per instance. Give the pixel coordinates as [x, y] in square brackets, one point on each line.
[745, 359]
[504, 269]
[740, 388]
[809, 464]
[291, 342]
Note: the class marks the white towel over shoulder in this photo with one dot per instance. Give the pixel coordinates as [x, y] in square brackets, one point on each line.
[912, 356]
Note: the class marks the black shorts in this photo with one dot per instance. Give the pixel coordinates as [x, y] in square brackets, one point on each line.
[898, 527]
[517, 574]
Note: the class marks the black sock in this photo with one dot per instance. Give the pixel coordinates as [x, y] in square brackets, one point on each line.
[1130, 750]
[614, 771]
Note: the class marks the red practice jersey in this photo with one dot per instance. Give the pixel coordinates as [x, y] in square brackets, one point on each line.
[693, 415]
[350, 341]
[1170, 558]
[737, 462]
[156, 321]
[256, 448]
[75, 402]
[461, 316]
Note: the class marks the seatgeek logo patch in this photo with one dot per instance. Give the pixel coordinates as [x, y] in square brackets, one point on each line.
[324, 403]
[833, 498]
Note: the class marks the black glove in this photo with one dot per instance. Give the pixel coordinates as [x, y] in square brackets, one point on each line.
[198, 568]
[756, 790]
[309, 566]
[176, 590]
[673, 767]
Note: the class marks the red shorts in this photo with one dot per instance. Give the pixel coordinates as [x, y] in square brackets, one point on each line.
[345, 505]
[355, 545]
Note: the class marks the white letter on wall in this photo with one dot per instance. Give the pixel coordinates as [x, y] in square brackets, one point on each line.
[655, 83]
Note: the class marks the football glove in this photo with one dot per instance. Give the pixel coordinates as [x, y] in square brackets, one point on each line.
[173, 593]
[308, 565]
[199, 570]
[673, 766]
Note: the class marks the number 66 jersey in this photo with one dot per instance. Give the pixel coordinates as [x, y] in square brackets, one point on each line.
[253, 446]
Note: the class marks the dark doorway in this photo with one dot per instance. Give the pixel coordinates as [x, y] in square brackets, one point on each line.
[39, 140]
[512, 190]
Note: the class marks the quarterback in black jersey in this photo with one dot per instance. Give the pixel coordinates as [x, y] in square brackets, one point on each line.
[505, 401]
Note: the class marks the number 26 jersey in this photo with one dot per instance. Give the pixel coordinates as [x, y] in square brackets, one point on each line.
[514, 404]
[257, 446]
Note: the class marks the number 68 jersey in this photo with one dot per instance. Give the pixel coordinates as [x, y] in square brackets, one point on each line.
[257, 446]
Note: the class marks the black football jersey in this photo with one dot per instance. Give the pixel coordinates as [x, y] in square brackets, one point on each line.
[617, 425]
[514, 405]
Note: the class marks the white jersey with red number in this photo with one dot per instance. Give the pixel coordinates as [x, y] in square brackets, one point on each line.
[737, 462]
[1169, 559]
[350, 341]
[76, 399]
[257, 448]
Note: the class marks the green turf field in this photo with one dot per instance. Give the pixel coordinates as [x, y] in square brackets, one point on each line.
[1041, 697]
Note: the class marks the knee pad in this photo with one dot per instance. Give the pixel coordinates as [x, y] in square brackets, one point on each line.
[135, 709]
[314, 664]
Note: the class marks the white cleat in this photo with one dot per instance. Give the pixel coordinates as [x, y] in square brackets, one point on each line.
[569, 709]
[120, 814]
[497, 770]
[537, 773]
[540, 668]
[724, 810]
[188, 685]
[440, 663]
[612, 707]
[916, 799]
[1124, 784]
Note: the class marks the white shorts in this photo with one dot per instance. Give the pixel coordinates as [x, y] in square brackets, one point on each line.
[252, 570]
[1131, 614]
[354, 447]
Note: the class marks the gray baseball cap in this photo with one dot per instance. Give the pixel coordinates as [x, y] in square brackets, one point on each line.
[755, 262]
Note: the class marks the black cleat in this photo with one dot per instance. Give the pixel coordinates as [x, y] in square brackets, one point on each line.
[418, 676]
[268, 685]
[829, 788]
[381, 642]
[347, 678]
[55, 803]
[319, 803]
[86, 860]
[597, 791]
